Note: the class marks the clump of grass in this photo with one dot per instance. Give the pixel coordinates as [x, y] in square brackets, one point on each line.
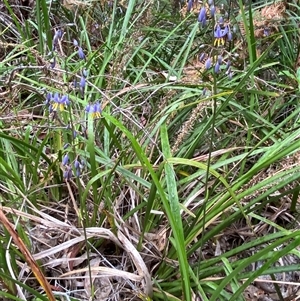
[148, 150]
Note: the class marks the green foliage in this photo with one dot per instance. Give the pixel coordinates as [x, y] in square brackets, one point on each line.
[126, 130]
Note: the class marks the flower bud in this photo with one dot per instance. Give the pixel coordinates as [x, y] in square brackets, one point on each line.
[202, 15]
[76, 164]
[266, 31]
[228, 64]
[48, 98]
[68, 174]
[212, 11]
[190, 5]
[217, 67]
[84, 73]
[59, 33]
[202, 56]
[81, 53]
[82, 83]
[220, 59]
[75, 43]
[57, 36]
[65, 160]
[229, 34]
[75, 83]
[208, 63]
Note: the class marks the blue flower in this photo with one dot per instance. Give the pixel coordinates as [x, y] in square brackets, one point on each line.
[82, 85]
[266, 31]
[94, 109]
[59, 103]
[65, 100]
[220, 35]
